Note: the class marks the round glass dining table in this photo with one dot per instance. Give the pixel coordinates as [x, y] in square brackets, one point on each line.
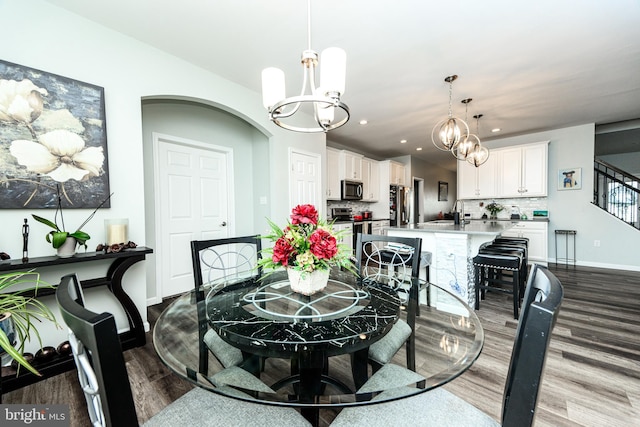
[310, 352]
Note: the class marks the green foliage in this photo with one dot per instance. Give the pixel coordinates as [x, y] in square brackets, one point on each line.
[25, 309]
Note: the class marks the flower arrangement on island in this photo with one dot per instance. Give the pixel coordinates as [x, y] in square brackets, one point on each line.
[307, 244]
[494, 208]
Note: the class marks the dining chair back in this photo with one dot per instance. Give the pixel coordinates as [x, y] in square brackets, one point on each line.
[395, 261]
[541, 304]
[216, 264]
[104, 378]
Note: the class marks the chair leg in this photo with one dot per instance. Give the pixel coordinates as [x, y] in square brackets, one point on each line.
[477, 290]
[516, 293]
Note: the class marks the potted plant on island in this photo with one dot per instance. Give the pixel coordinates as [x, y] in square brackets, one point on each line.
[494, 208]
[62, 240]
[307, 247]
[19, 309]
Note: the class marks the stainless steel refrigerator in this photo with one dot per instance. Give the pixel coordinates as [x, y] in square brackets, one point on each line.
[399, 205]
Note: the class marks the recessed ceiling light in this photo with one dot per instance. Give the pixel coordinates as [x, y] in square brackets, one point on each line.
[419, 149]
[496, 130]
[403, 141]
[363, 122]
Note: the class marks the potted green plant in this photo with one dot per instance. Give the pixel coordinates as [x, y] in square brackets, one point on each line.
[19, 309]
[494, 208]
[59, 236]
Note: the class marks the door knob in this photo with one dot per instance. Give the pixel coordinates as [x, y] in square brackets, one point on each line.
[224, 223]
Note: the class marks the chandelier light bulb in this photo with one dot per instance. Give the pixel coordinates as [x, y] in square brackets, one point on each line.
[272, 86]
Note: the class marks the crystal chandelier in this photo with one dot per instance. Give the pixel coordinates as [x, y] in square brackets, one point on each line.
[462, 150]
[446, 134]
[323, 103]
[478, 154]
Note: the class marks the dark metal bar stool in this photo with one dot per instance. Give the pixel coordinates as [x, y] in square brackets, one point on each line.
[488, 268]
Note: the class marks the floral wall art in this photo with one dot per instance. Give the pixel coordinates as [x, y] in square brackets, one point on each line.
[52, 133]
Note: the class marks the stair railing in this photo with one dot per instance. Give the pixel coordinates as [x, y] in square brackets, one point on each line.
[617, 192]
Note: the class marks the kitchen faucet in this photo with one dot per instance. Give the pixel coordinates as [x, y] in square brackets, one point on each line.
[455, 209]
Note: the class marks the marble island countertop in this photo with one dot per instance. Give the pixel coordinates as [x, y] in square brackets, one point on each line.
[470, 227]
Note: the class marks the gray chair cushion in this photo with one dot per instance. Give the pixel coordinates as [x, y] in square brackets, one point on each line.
[199, 407]
[238, 377]
[390, 376]
[433, 408]
[382, 351]
[227, 354]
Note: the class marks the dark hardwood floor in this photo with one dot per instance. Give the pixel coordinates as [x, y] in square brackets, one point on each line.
[592, 375]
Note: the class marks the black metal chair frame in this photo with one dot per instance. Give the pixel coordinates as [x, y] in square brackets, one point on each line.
[541, 303]
[393, 261]
[216, 263]
[100, 362]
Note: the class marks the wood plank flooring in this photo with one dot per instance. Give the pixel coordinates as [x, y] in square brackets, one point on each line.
[592, 375]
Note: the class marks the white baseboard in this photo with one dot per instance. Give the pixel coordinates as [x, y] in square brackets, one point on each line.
[600, 265]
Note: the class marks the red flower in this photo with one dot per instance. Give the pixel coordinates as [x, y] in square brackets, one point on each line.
[323, 244]
[304, 214]
[282, 250]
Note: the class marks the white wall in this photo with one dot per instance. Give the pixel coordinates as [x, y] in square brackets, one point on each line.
[41, 36]
[574, 147]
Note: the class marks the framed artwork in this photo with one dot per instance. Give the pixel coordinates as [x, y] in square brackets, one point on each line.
[52, 136]
[443, 191]
[570, 179]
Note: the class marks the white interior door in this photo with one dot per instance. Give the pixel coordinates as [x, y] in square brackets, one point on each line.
[192, 201]
[305, 179]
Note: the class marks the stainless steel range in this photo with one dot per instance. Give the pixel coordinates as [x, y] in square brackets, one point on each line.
[342, 214]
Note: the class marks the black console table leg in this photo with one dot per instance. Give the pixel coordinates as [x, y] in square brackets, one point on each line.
[136, 335]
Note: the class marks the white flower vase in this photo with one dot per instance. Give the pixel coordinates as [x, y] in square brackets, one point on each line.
[68, 248]
[306, 283]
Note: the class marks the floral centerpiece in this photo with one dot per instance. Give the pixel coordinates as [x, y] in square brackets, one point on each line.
[494, 208]
[307, 247]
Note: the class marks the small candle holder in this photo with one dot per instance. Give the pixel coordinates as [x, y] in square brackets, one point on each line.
[116, 230]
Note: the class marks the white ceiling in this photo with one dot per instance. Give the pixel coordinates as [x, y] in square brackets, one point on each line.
[528, 66]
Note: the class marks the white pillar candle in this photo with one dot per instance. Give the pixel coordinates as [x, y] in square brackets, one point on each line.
[116, 231]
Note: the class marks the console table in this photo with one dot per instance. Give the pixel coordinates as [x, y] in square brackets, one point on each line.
[120, 263]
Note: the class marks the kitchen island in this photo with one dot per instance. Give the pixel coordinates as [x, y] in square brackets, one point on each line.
[453, 248]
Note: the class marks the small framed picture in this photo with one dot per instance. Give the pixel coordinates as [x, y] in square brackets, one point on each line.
[443, 191]
[570, 179]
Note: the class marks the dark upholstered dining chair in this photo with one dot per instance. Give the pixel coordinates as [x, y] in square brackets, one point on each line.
[397, 261]
[217, 263]
[542, 300]
[105, 382]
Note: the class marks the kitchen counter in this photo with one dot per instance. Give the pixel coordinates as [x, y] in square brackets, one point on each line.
[452, 250]
[491, 228]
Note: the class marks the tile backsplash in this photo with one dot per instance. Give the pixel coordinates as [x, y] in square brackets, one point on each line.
[526, 205]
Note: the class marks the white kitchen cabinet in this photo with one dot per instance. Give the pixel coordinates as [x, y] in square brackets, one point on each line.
[350, 166]
[537, 233]
[397, 173]
[370, 180]
[522, 170]
[478, 182]
[378, 227]
[333, 174]
[346, 235]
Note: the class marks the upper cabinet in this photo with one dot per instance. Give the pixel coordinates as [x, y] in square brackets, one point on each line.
[370, 180]
[333, 174]
[522, 170]
[519, 171]
[350, 166]
[478, 182]
[397, 174]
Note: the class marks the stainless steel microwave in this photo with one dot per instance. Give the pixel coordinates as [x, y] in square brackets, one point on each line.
[351, 190]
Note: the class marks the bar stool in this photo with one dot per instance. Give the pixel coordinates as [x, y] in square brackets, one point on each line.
[488, 267]
[511, 246]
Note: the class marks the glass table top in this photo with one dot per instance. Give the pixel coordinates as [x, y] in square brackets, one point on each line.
[282, 335]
